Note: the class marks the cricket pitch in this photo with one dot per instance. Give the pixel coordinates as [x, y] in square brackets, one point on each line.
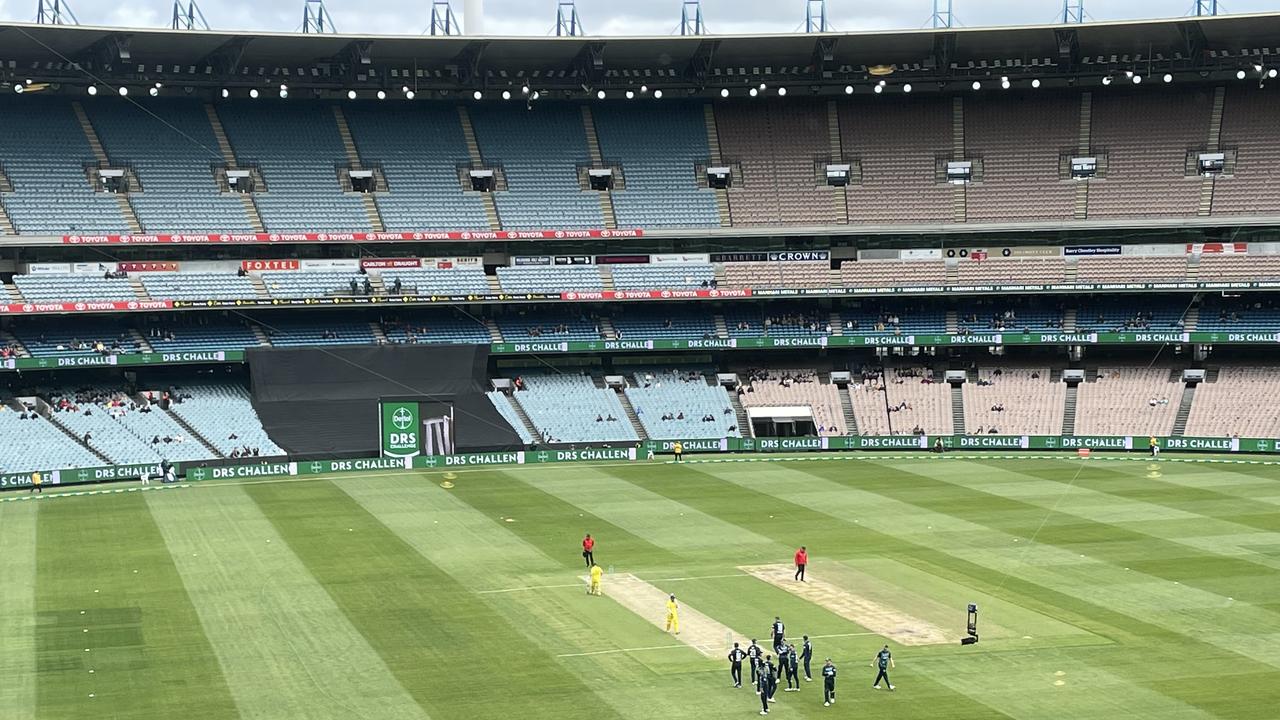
[698, 631]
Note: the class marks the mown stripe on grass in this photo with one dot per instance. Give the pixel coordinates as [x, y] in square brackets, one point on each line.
[286, 649]
[104, 569]
[17, 611]
[455, 655]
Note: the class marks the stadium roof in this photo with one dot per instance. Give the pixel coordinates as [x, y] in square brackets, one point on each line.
[1196, 44]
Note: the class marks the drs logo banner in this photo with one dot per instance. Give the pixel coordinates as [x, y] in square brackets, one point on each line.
[400, 429]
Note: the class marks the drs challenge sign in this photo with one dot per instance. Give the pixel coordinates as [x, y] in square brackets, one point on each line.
[400, 429]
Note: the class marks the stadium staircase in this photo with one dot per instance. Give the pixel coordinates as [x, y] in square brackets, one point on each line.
[836, 147]
[606, 277]
[713, 142]
[1083, 148]
[1208, 182]
[837, 323]
[959, 194]
[8, 340]
[744, 420]
[263, 339]
[353, 157]
[379, 336]
[1069, 320]
[1069, 411]
[846, 405]
[495, 334]
[1184, 410]
[137, 336]
[607, 328]
[6, 186]
[1211, 374]
[260, 287]
[722, 328]
[495, 286]
[632, 417]
[13, 293]
[957, 409]
[43, 408]
[122, 199]
[533, 430]
[953, 322]
[597, 161]
[477, 161]
[229, 157]
[1191, 319]
[191, 431]
[139, 289]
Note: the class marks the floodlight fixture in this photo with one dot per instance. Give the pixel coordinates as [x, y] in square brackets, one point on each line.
[848, 89]
[253, 93]
[1106, 80]
[1137, 79]
[753, 92]
[782, 91]
[124, 92]
[154, 92]
[226, 93]
[93, 89]
[1035, 83]
[631, 95]
[410, 95]
[477, 95]
[600, 95]
[351, 94]
[657, 94]
[1168, 77]
[724, 92]
[1240, 74]
[382, 94]
[284, 94]
[906, 88]
[506, 94]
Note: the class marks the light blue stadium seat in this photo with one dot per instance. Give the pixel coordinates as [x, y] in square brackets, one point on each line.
[555, 279]
[682, 322]
[508, 413]
[662, 277]
[565, 408]
[219, 410]
[46, 287]
[660, 393]
[37, 444]
[197, 286]
[442, 326]
[546, 326]
[465, 280]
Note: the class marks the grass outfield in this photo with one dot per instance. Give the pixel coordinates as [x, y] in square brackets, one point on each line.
[1106, 590]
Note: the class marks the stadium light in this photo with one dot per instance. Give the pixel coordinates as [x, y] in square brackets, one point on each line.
[1240, 74]
[657, 94]
[878, 89]
[506, 94]
[763, 87]
[977, 85]
[906, 88]
[477, 95]
[410, 95]
[19, 88]
[848, 89]
[160, 85]
[782, 91]
[1273, 72]
[644, 89]
[225, 93]
[535, 95]
[1168, 78]
[631, 95]
[154, 92]
[1005, 84]
[1106, 80]
[753, 92]
[724, 92]
[404, 88]
[124, 92]
[351, 94]
[1137, 79]
[284, 93]
[253, 93]
[600, 95]
[93, 89]
[1257, 67]
[524, 89]
[882, 83]
[382, 95]
[1035, 83]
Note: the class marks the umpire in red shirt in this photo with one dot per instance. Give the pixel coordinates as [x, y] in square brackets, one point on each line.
[588, 544]
[802, 559]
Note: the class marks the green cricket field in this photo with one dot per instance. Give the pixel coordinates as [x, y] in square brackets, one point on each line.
[1106, 588]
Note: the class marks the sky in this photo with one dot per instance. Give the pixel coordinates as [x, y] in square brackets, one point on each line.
[612, 17]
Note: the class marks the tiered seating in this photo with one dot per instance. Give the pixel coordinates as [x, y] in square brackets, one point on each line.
[465, 280]
[928, 405]
[79, 336]
[1131, 268]
[1019, 139]
[778, 144]
[540, 152]
[38, 444]
[1013, 271]
[508, 412]
[295, 333]
[892, 273]
[872, 317]
[898, 186]
[1031, 404]
[1009, 314]
[200, 337]
[109, 436]
[218, 411]
[640, 323]
[1134, 315]
[775, 321]
[564, 409]
[44, 152]
[662, 277]
[659, 147]
[1249, 116]
[546, 326]
[197, 286]
[778, 387]
[555, 279]
[1239, 268]
[171, 148]
[298, 149]
[73, 288]
[778, 274]
[420, 150]
[1146, 136]
[137, 436]
[1257, 315]
[1242, 402]
[437, 327]
[311, 284]
[659, 394]
[1119, 402]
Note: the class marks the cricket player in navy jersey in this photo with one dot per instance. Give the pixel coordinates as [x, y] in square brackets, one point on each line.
[884, 661]
[828, 683]
[736, 656]
[806, 654]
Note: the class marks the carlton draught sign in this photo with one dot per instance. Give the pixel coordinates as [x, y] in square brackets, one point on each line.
[399, 429]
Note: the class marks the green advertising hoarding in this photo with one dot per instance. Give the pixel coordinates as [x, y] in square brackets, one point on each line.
[399, 427]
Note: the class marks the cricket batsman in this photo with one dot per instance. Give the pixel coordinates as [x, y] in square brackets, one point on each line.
[596, 572]
[673, 615]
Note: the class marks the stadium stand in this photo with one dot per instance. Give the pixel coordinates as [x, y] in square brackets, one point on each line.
[502, 402]
[1238, 268]
[171, 147]
[899, 317]
[1125, 268]
[156, 435]
[1009, 314]
[659, 148]
[777, 145]
[662, 277]
[899, 186]
[1128, 401]
[297, 147]
[1012, 271]
[1101, 315]
[1019, 139]
[641, 323]
[1240, 402]
[436, 327]
[302, 332]
[44, 153]
[783, 387]
[1248, 119]
[223, 415]
[565, 409]
[540, 153]
[313, 284]
[76, 336]
[547, 325]
[419, 151]
[1146, 137]
[555, 279]
[199, 335]
[913, 403]
[675, 403]
[50, 287]
[780, 320]
[1257, 315]
[197, 286]
[1016, 401]
[462, 280]
[778, 274]
[891, 273]
[33, 443]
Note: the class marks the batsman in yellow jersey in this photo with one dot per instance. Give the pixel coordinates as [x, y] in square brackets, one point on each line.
[596, 572]
[673, 615]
